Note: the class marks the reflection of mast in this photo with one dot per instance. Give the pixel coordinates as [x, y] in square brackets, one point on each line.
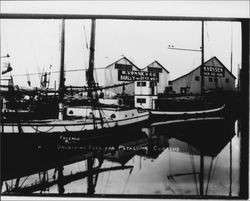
[60, 180]
[90, 189]
[66, 179]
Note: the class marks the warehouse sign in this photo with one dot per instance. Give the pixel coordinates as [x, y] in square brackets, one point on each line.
[127, 75]
[123, 66]
[213, 71]
[153, 69]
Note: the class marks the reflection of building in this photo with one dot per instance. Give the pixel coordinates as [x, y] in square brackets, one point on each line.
[216, 76]
[111, 76]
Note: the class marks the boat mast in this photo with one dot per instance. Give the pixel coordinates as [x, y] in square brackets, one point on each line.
[90, 71]
[201, 175]
[230, 144]
[202, 57]
[62, 78]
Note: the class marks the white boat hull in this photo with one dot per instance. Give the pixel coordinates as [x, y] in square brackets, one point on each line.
[119, 118]
[187, 112]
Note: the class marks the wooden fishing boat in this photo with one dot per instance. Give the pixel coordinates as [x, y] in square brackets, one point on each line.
[96, 120]
[120, 118]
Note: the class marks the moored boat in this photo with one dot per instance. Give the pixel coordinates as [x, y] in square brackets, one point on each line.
[96, 121]
[169, 115]
[116, 118]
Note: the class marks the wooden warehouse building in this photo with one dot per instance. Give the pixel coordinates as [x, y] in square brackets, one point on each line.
[146, 91]
[125, 71]
[216, 76]
[113, 76]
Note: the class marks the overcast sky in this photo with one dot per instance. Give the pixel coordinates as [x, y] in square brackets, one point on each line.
[34, 44]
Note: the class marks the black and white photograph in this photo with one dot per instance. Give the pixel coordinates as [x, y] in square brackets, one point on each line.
[124, 99]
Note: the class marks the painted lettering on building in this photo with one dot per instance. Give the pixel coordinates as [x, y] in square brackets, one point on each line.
[123, 67]
[213, 71]
[127, 75]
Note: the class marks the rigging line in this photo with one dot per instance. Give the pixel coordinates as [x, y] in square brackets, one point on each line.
[84, 38]
[73, 70]
[102, 179]
[17, 183]
[108, 178]
[11, 185]
[102, 183]
[208, 38]
[213, 170]
[78, 165]
[170, 167]
[5, 40]
[193, 167]
[190, 78]
[126, 183]
[230, 173]
[207, 31]
[93, 116]
[110, 77]
[101, 114]
[96, 77]
[110, 172]
[35, 58]
[86, 41]
[85, 162]
[84, 59]
[7, 187]
[209, 175]
[28, 77]
[24, 181]
[231, 53]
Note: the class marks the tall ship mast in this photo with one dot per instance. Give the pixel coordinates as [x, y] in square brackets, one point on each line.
[81, 119]
[202, 57]
[90, 72]
[62, 71]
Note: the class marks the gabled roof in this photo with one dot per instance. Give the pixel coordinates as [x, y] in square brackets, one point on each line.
[120, 60]
[158, 64]
[210, 60]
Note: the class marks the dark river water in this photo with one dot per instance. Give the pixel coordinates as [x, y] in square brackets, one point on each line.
[161, 160]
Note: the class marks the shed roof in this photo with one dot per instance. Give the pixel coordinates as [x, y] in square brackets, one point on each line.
[158, 65]
[120, 60]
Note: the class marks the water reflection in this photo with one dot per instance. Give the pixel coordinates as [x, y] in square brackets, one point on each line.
[160, 159]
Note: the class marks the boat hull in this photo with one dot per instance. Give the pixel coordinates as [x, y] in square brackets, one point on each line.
[117, 118]
[172, 115]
